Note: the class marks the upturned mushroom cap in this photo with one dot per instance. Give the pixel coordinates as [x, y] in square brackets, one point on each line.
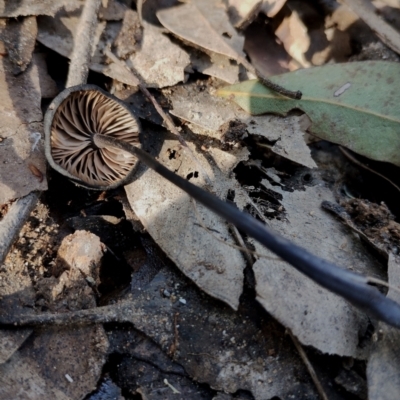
[72, 119]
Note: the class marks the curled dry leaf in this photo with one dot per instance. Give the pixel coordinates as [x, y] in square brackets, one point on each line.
[78, 114]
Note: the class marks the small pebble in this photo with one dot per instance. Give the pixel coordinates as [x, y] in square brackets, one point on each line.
[69, 379]
[183, 301]
[166, 293]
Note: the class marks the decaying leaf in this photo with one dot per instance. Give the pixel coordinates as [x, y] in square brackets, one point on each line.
[209, 115]
[170, 218]
[384, 362]
[316, 316]
[353, 104]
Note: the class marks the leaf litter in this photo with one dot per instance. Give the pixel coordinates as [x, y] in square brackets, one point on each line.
[222, 130]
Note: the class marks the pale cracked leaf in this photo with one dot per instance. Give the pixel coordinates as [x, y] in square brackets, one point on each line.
[316, 316]
[207, 114]
[383, 369]
[169, 216]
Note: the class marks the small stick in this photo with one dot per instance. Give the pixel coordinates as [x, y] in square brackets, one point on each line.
[166, 117]
[83, 44]
[308, 365]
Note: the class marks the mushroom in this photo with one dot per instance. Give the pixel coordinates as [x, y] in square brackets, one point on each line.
[73, 118]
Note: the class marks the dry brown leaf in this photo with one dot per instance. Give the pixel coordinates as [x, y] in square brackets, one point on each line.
[383, 369]
[169, 216]
[316, 316]
[205, 25]
[158, 61]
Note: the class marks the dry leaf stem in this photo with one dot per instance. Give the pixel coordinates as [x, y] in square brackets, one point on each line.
[166, 117]
[82, 51]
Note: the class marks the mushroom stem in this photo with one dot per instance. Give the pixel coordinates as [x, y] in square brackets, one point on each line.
[353, 287]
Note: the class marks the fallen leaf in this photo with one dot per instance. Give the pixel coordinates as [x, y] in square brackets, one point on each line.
[384, 362]
[170, 218]
[316, 316]
[204, 24]
[208, 115]
[348, 104]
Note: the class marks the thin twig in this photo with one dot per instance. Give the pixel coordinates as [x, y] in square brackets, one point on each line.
[83, 44]
[166, 117]
[308, 365]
